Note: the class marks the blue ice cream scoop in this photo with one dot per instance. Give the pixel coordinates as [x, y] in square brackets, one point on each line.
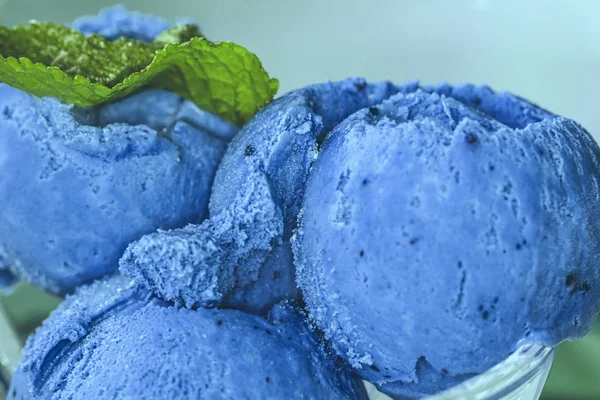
[78, 185]
[241, 256]
[113, 340]
[442, 229]
[115, 22]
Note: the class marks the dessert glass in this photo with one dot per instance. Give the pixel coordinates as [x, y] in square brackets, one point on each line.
[520, 377]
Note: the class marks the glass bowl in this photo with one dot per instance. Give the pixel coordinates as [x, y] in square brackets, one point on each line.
[520, 377]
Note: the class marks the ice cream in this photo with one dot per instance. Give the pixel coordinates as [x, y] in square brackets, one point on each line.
[432, 230]
[114, 340]
[442, 229]
[115, 22]
[241, 256]
[78, 185]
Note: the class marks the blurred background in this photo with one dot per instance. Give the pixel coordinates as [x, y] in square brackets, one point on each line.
[545, 50]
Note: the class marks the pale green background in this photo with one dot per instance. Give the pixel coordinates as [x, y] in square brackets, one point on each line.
[544, 50]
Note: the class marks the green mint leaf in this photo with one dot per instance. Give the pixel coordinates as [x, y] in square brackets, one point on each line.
[223, 78]
[179, 34]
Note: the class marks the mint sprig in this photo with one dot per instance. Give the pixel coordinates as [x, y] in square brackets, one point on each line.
[46, 59]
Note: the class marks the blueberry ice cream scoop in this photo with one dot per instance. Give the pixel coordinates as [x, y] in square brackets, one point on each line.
[115, 22]
[113, 340]
[442, 229]
[78, 185]
[241, 256]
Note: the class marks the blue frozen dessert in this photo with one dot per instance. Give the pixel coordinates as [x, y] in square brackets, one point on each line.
[115, 22]
[79, 184]
[113, 340]
[442, 229]
[241, 256]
